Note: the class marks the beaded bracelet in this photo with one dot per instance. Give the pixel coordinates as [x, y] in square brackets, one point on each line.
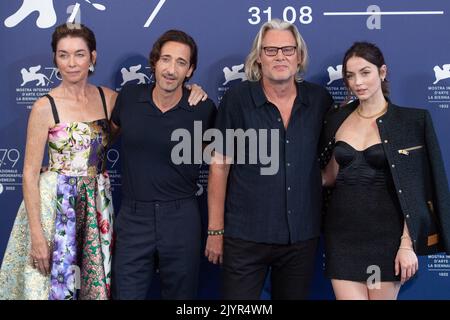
[406, 248]
[405, 237]
[216, 232]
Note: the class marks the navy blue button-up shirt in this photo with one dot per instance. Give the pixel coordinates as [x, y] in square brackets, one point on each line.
[148, 172]
[283, 207]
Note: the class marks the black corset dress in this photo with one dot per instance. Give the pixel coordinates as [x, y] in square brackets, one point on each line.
[364, 222]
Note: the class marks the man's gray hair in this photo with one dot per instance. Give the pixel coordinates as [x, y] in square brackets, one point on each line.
[253, 68]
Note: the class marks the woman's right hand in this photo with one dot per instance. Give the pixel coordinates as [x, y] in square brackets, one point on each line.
[40, 254]
[39, 123]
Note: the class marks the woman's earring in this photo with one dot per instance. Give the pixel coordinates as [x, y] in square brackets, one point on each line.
[91, 67]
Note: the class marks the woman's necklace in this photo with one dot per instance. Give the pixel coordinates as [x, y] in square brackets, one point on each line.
[358, 111]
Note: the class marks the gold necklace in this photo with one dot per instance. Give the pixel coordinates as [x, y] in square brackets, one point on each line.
[358, 111]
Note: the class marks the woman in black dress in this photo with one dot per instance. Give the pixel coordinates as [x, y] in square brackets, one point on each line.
[386, 168]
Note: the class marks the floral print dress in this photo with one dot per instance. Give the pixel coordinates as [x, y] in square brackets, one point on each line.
[76, 216]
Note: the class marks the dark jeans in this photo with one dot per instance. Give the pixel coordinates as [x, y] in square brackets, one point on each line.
[170, 230]
[246, 263]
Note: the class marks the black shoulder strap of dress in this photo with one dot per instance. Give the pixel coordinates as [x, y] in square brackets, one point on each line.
[102, 95]
[54, 111]
[108, 123]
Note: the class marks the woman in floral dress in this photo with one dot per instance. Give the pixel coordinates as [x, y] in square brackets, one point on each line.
[60, 245]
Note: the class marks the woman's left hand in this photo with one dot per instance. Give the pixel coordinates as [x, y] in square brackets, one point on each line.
[406, 263]
[197, 94]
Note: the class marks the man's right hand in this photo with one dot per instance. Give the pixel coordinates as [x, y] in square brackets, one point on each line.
[214, 249]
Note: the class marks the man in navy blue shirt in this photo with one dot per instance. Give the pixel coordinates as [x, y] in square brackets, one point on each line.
[159, 216]
[261, 219]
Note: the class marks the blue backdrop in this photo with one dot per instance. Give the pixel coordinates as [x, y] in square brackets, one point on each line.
[413, 35]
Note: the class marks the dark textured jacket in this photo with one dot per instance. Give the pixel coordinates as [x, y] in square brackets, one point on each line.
[417, 169]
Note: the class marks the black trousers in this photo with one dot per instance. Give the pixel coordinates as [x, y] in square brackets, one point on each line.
[170, 230]
[246, 264]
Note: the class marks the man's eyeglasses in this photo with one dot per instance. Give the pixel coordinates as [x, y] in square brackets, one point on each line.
[273, 51]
